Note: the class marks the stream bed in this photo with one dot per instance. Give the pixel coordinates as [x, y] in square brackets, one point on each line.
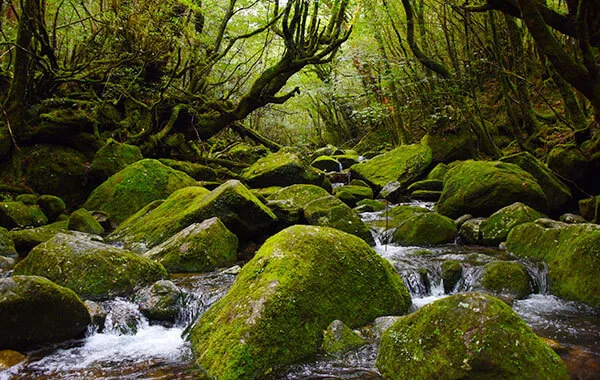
[143, 350]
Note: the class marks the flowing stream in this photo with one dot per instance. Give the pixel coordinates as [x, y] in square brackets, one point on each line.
[129, 347]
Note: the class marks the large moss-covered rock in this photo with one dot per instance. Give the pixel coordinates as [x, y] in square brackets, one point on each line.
[17, 214]
[507, 278]
[52, 206]
[7, 245]
[235, 205]
[280, 169]
[200, 247]
[331, 212]
[299, 281]
[35, 310]
[557, 193]
[327, 164]
[28, 238]
[468, 335]
[571, 252]
[495, 229]
[352, 194]
[438, 172]
[91, 269]
[82, 220]
[481, 188]
[448, 146]
[197, 171]
[112, 158]
[404, 164]
[127, 191]
[569, 162]
[427, 228]
[300, 195]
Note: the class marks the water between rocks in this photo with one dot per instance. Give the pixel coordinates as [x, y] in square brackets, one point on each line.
[129, 347]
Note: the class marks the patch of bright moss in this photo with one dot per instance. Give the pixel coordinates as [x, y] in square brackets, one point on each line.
[495, 229]
[429, 228]
[280, 169]
[300, 195]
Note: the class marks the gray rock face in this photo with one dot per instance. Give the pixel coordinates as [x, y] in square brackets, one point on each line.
[161, 301]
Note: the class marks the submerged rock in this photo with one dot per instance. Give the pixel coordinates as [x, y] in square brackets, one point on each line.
[481, 188]
[495, 229]
[130, 189]
[200, 247]
[91, 269]
[571, 252]
[466, 336]
[35, 310]
[299, 281]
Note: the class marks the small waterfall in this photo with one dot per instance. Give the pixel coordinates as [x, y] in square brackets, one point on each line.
[469, 279]
[123, 318]
[539, 275]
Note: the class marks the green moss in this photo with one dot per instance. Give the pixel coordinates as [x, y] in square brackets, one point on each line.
[571, 252]
[589, 207]
[448, 146]
[17, 214]
[426, 195]
[428, 228]
[28, 199]
[451, 274]
[569, 162]
[352, 194]
[326, 163]
[197, 171]
[507, 277]
[427, 184]
[200, 247]
[280, 169]
[91, 269]
[374, 205]
[132, 188]
[300, 195]
[347, 160]
[28, 238]
[470, 231]
[283, 299]
[339, 338]
[52, 206]
[495, 229]
[400, 214]
[331, 212]
[266, 192]
[82, 220]
[466, 336]
[112, 158]
[481, 188]
[404, 164]
[438, 172]
[35, 310]
[160, 302]
[7, 246]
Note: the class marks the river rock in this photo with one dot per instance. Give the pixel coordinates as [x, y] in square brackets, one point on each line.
[91, 269]
[112, 158]
[466, 336]
[326, 163]
[283, 299]
[130, 189]
[438, 172]
[35, 310]
[15, 214]
[280, 169]
[571, 252]
[28, 238]
[427, 228]
[348, 159]
[331, 212]
[556, 192]
[451, 274]
[339, 339]
[507, 278]
[470, 231]
[495, 229]
[352, 194]
[82, 220]
[569, 162]
[404, 165]
[237, 208]
[450, 145]
[300, 195]
[52, 206]
[200, 247]
[481, 188]
[197, 171]
[160, 302]
[7, 245]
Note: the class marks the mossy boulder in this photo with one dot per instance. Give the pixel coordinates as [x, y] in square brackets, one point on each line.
[470, 231]
[339, 339]
[288, 213]
[451, 274]
[280, 169]
[7, 245]
[571, 252]
[35, 310]
[557, 193]
[347, 160]
[327, 164]
[300, 195]
[241, 212]
[427, 184]
[28, 238]
[82, 220]
[91, 269]
[426, 195]
[328, 150]
[495, 229]
[448, 146]
[160, 302]
[468, 335]
[200, 247]
[370, 205]
[112, 158]
[352, 194]
[589, 207]
[481, 188]
[569, 162]
[247, 154]
[405, 164]
[331, 212]
[15, 214]
[283, 299]
[438, 172]
[196, 171]
[127, 191]
[427, 228]
[52, 206]
[507, 278]
[28, 199]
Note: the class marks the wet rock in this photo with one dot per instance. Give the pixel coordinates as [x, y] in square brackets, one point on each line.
[571, 252]
[35, 310]
[451, 274]
[331, 212]
[282, 300]
[339, 339]
[470, 231]
[404, 165]
[280, 169]
[508, 278]
[394, 192]
[481, 188]
[381, 324]
[15, 214]
[572, 218]
[160, 302]
[462, 219]
[352, 194]
[130, 189]
[347, 160]
[466, 336]
[200, 247]
[92, 269]
[97, 313]
[495, 229]
[112, 158]
[52, 206]
[326, 163]
[82, 220]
